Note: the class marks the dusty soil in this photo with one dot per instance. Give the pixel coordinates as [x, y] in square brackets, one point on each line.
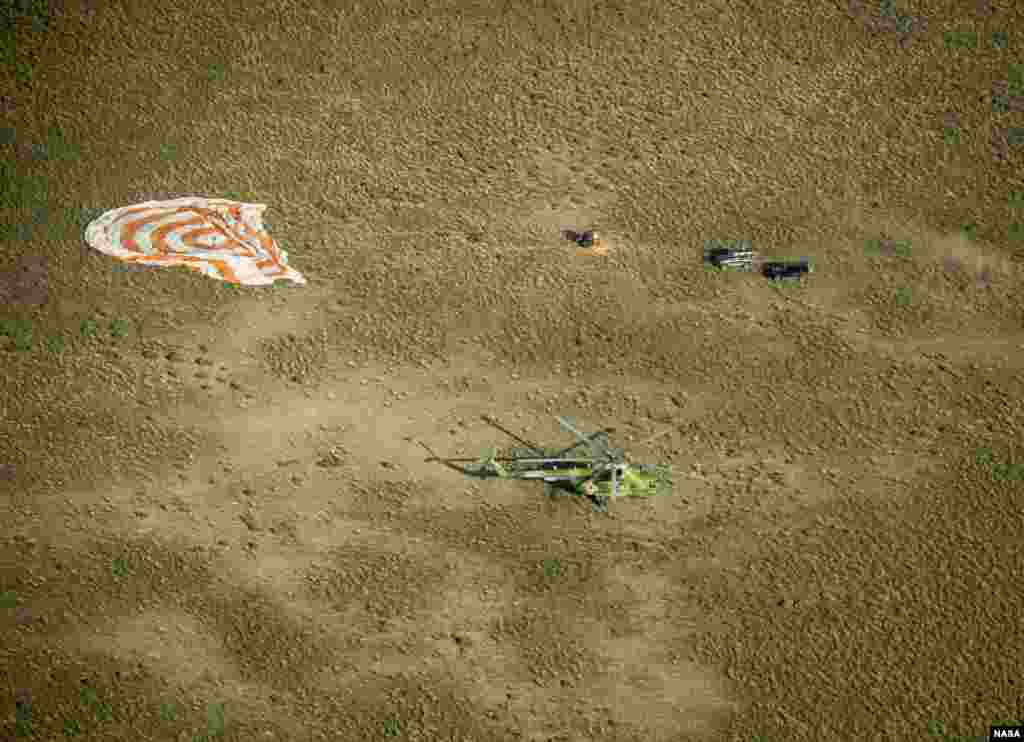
[218, 524]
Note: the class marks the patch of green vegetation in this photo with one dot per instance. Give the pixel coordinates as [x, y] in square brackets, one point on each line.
[903, 297]
[55, 343]
[26, 230]
[1000, 470]
[102, 710]
[56, 148]
[1016, 231]
[19, 191]
[120, 567]
[1000, 39]
[951, 135]
[887, 9]
[392, 728]
[12, 327]
[1008, 472]
[72, 728]
[8, 599]
[168, 711]
[970, 230]
[1015, 79]
[1002, 98]
[18, 330]
[961, 39]
[216, 72]
[1015, 136]
[23, 71]
[37, 13]
[168, 152]
[1000, 102]
[1016, 199]
[20, 232]
[34, 10]
[23, 719]
[88, 328]
[215, 720]
[41, 215]
[82, 217]
[119, 328]
[552, 567]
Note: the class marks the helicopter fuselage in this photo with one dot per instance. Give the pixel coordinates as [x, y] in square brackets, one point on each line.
[634, 481]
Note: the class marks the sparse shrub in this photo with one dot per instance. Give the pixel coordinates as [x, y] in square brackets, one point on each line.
[215, 722]
[20, 331]
[961, 39]
[72, 728]
[119, 328]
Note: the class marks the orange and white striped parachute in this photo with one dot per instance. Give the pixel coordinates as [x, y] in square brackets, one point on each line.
[216, 237]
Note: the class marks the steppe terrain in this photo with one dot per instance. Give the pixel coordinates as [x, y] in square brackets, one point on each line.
[216, 521]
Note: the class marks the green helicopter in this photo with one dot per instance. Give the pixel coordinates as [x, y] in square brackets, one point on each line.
[603, 474]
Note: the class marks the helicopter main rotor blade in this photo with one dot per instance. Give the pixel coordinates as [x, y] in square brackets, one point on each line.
[456, 459]
[589, 441]
[434, 456]
[655, 437]
[572, 429]
[598, 447]
[527, 460]
[491, 421]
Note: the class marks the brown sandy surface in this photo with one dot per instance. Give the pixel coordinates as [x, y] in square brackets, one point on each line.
[217, 525]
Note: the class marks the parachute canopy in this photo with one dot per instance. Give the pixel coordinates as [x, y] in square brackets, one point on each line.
[219, 238]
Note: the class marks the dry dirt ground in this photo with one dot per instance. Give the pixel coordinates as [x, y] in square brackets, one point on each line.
[215, 521]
